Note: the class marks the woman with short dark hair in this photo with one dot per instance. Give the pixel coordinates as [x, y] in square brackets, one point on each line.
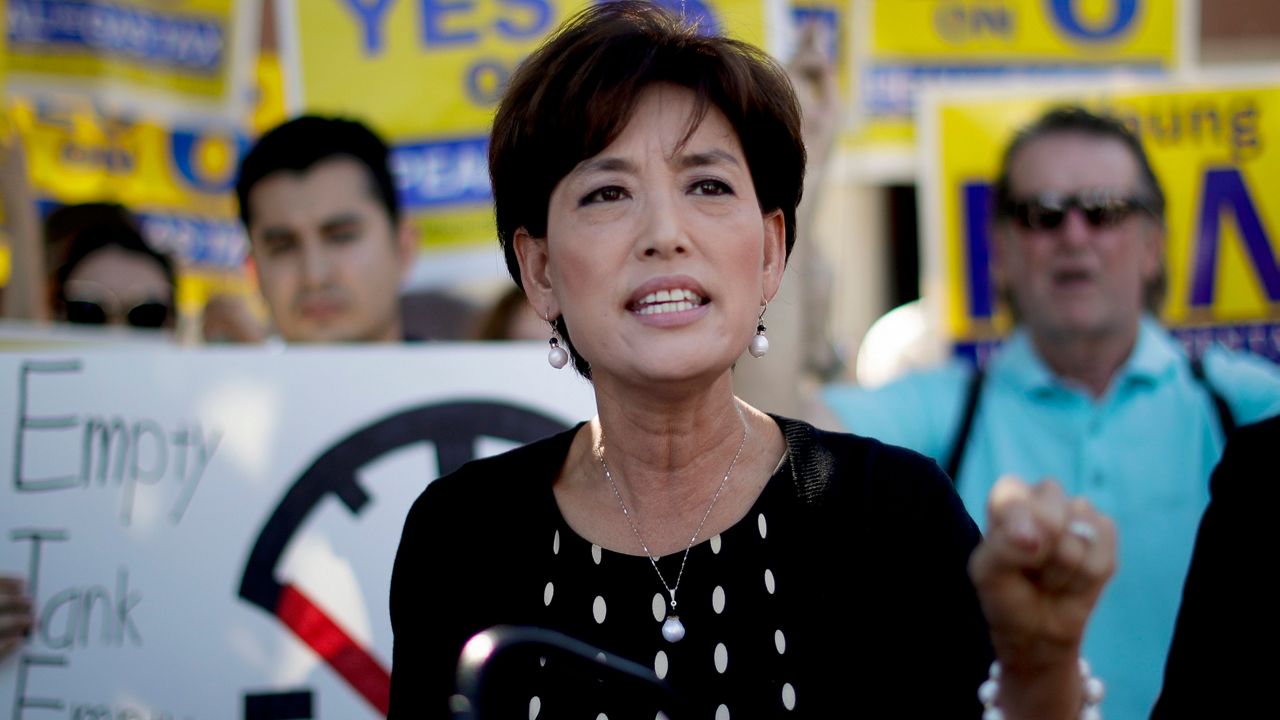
[646, 180]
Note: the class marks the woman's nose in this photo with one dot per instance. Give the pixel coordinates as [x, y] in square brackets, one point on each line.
[663, 233]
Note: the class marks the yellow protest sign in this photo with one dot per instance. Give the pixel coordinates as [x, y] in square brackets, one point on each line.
[427, 75]
[268, 105]
[1208, 145]
[173, 56]
[176, 179]
[902, 45]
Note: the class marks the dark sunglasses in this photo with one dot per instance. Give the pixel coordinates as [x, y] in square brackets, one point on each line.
[1049, 210]
[146, 314]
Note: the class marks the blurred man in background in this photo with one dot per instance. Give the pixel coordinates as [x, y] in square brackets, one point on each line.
[1089, 389]
[329, 246]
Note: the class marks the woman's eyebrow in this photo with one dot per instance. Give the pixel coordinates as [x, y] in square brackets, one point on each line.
[605, 164]
[710, 157]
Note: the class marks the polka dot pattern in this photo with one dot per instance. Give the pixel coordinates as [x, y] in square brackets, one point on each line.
[621, 589]
[659, 607]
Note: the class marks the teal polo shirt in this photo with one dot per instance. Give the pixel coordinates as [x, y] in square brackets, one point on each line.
[1142, 454]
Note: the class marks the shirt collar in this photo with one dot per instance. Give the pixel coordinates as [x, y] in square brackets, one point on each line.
[1154, 354]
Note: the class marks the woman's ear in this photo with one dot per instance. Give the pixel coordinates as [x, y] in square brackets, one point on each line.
[775, 252]
[535, 271]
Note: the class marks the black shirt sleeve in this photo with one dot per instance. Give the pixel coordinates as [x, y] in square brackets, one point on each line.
[1220, 662]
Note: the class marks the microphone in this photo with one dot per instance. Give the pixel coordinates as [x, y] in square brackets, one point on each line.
[474, 664]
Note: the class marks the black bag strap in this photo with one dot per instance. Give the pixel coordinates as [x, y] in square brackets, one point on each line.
[974, 392]
[1225, 419]
[961, 440]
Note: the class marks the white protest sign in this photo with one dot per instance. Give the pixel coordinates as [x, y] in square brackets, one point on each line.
[209, 534]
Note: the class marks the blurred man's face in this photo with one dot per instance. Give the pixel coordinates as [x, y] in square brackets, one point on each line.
[1079, 267]
[328, 257]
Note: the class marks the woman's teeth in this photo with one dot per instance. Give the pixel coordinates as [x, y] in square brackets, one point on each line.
[667, 301]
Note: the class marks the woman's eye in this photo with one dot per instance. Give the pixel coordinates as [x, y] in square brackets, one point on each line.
[604, 194]
[712, 187]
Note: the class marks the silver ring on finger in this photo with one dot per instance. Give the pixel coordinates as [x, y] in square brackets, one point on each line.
[1083, 529]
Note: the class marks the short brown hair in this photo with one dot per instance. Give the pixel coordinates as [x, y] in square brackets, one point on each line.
[574, 96]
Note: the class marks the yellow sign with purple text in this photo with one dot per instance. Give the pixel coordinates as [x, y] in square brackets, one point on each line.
[427, 75]
[1209, 146]
[176, 179]
[175, 55]
[903, 45]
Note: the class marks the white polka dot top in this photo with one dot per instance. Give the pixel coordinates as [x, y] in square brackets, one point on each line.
[733, 659]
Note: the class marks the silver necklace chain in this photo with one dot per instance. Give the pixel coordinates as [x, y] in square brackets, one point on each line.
[626, 512]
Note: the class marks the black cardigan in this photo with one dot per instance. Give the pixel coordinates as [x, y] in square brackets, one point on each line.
[876, 532]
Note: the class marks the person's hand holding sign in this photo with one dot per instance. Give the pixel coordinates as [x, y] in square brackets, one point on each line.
[1039, 572]
[16, 618]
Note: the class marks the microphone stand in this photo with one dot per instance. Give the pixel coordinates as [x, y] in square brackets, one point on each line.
[474, 664]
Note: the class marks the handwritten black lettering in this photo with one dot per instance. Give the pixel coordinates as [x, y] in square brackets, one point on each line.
[22, 701]
[66, 619]
[114, 452]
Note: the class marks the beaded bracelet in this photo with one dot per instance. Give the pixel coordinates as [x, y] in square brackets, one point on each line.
[1093, 692]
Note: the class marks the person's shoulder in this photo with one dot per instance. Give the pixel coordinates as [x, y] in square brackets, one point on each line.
[859, 465]
[1219, 360]
[944, 376]
[1239, 480]
[882, 488]
[1257, 437]
[507, 479]
[1249, 383]
[916, 410]
[864, 449]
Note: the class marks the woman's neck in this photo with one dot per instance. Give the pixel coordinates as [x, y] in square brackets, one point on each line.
[660, 446]
[667, 459]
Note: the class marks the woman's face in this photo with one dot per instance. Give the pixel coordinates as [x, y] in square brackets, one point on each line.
[657, 253]
[117, 287]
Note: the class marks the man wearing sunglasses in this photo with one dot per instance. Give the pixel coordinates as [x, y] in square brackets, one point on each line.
[1089, 389]
[329, 248]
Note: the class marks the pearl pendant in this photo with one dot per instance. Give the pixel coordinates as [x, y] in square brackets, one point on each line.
[672, 629]
[759, 346]
[558, 357]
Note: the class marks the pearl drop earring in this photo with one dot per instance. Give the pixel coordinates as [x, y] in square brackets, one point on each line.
[759, 344]
[557, 356]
